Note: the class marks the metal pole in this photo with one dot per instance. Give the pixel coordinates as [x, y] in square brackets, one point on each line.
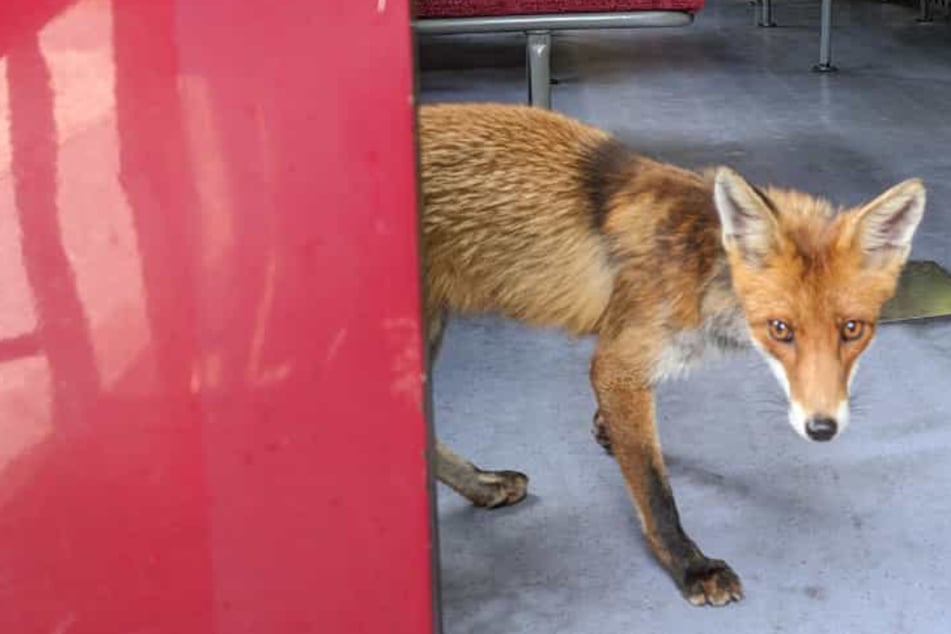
[825, 40]
[766, 17]
[539, 68]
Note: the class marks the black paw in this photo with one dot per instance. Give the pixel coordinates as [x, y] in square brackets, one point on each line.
[711, 582]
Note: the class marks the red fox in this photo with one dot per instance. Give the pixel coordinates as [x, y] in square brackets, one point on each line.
[536, 216]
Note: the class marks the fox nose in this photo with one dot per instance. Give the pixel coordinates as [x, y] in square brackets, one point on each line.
[821, 428]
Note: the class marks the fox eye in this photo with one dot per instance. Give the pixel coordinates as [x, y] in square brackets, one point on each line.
[852, 330]
[780, 330]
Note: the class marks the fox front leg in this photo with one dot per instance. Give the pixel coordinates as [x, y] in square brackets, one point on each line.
[626, 408]
[600, 432]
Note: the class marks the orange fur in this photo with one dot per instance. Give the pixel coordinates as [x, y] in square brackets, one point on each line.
[541, 218]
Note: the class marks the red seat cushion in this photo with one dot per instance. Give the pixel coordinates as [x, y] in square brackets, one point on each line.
[485, 8]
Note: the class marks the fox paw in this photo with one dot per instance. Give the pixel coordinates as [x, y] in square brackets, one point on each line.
[501, 488]
[711, 582]
[600, 432]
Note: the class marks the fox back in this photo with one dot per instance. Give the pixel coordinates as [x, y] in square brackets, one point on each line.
[505, 226]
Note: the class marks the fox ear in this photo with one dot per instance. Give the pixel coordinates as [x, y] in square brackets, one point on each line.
[747, 217]
[886, 226]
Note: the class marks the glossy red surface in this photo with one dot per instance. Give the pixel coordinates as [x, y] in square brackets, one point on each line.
[210, 372]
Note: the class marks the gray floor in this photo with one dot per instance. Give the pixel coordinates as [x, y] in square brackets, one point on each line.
[850, 537]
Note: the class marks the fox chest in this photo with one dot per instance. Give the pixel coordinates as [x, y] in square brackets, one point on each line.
[685, 349]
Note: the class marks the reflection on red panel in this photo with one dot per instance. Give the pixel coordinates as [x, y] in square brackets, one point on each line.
[210, 372]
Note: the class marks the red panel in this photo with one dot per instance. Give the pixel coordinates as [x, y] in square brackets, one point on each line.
[210, 371]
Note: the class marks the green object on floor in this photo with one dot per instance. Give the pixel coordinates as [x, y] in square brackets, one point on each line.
[924, 291]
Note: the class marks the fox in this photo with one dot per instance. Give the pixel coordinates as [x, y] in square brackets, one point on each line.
[539, 217]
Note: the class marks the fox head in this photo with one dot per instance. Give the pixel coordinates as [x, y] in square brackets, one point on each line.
[811, 282]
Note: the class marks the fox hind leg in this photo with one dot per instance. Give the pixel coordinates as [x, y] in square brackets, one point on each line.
[489, 489]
